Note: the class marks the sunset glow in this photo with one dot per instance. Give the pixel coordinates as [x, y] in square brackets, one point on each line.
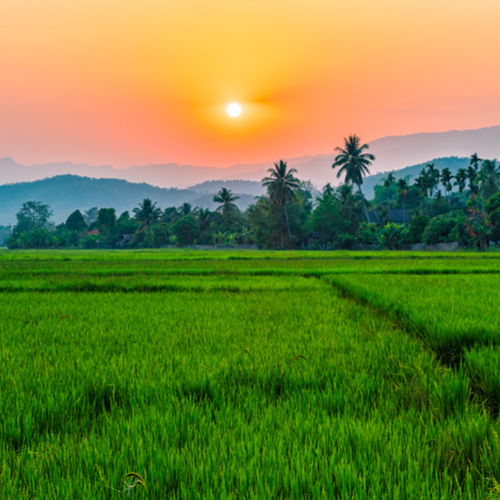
[234, 110]
[124, 82]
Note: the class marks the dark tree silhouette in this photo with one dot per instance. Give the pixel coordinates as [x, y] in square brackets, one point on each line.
[489, 179]
[354, 164]
[146, 214]
[388, 182]
[461, 179]
[226, 198]
[281, 185]
[403, 191]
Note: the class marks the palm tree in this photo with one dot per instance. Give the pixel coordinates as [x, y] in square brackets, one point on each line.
[472, 178]
[460, 179]
[186, 208]
[403, 190]
[281, 185]
[226, 197]
[146, 214]
[349, 202]
[328, 190]
[204, 216]
[432, 177]
[446, 178]
[422, 189]
[388, 182]
[354, 164]
[474, 161]
[489, 179]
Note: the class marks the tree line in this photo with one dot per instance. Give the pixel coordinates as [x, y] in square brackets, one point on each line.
[435, 207]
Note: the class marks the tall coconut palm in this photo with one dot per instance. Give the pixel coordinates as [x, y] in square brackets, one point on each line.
[461, 179]
[472, 178]
[146, 214]
[489, 179]
[474, 161]
[349, 202]
[388, 182]
[432, 177]
[446, 178]
[403, 191]
[354, 164]
[281, 185]
[204, 216]
[422, 189]
[226, 198]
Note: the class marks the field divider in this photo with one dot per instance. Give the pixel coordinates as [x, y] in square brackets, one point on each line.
[480, 360]
[79, 276]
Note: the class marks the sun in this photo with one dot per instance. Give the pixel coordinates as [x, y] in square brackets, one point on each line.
[234, 110]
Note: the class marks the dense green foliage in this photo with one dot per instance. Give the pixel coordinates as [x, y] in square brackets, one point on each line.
[244, 375]
[293, 214]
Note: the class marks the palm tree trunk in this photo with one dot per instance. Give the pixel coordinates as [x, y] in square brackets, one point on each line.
[364, 204]
[287, 223]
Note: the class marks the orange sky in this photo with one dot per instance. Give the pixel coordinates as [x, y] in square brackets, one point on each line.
[127, 82]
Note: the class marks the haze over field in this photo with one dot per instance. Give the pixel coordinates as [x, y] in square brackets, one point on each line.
[392, 153]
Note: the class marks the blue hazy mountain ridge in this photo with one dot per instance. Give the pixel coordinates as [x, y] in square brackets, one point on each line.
[66, 193]
[453, 163]
[392, 153]
[236, 186]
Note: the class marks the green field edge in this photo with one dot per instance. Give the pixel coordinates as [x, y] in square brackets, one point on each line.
[454, 359]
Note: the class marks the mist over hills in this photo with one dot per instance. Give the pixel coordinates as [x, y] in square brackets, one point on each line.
[66, 193]
[452, 162]
[392, 153]
[67, 187]
[254, 188]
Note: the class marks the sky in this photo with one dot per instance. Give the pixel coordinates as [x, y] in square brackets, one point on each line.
[135, 82]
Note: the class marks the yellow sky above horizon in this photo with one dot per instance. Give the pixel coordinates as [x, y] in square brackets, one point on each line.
[128, 82]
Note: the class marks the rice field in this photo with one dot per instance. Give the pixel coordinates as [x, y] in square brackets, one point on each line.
[249, 375]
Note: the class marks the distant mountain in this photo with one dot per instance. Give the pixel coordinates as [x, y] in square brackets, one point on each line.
[392, 153]
[247, 187]
[66, 193]
[453, 163]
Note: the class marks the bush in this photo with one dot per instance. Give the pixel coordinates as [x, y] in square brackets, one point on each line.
[186, 230]
[346, 241]
[417, 228]
[37, 238]
[493, 204]
[89, 241]
[367, 234]
[441, 229]
[393, 236]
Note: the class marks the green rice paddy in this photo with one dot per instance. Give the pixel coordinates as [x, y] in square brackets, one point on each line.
[249, 375]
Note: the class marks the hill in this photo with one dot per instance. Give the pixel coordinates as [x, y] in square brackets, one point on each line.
[392, 153]
[453, 163]
[66, 193]
[236, 186]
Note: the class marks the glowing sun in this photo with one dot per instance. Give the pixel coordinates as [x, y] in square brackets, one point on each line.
[234, 110]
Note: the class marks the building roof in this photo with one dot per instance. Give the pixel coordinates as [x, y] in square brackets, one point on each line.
[94, 232]
[399, 215]
[125, 239]
[373, 218]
